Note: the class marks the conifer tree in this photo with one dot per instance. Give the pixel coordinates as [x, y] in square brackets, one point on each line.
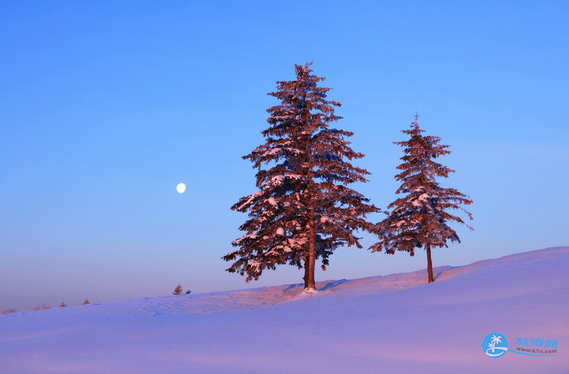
[178, 290]
[420, 218]
[304, 208]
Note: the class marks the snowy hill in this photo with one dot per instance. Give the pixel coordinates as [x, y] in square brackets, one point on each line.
[395, 324]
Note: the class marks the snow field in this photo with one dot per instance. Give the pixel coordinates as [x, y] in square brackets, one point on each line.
[395, 323]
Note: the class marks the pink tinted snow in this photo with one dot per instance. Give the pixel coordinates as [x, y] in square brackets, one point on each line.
[396, 323]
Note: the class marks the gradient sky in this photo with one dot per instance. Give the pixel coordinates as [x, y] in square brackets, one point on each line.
[105, 106]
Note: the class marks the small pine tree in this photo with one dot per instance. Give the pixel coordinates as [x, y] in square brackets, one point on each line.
[63, 305]
[304, 209]
[420, 218]
[86, 302]
[178, 290]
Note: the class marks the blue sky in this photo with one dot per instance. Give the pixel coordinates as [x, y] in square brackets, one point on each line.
[106, 106]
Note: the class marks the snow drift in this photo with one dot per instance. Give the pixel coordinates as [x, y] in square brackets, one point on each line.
[394, 323]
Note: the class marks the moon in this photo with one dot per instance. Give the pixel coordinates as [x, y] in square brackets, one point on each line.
[181, 188]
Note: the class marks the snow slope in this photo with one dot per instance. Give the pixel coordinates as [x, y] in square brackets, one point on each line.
[395, 324]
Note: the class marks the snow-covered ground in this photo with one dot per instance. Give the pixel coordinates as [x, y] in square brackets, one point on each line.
[389, 324]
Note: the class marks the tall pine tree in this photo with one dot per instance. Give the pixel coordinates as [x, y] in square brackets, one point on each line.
[420, 218]
[303, 210]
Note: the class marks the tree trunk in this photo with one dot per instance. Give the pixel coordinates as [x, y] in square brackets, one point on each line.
[430, 264]
[309, 283]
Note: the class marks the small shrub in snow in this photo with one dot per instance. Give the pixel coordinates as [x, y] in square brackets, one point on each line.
[178, 290]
